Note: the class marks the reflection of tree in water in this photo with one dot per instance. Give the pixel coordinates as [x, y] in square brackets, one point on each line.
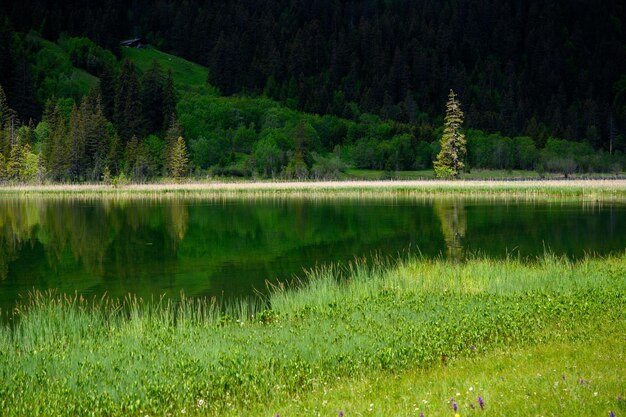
[79, 229]
[17, 226]
[453, 218]
[179, 220]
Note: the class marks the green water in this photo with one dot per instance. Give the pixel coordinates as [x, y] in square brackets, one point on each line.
[231, 247]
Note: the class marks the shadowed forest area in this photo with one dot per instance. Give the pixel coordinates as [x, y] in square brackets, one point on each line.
[298, 89]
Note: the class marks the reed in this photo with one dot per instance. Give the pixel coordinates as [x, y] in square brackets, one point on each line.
[67, 355]
[587, 189]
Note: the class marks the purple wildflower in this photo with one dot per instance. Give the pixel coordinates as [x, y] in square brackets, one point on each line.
[422, 414]
[472, 348]
[455, 407]
[481, 403]
[563, 377]
[340, 413]
[611, 414]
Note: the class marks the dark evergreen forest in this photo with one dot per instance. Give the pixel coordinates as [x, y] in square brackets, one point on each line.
[538, 69]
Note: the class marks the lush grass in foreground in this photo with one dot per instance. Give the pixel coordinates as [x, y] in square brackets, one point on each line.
[579, 378]
[392, 336]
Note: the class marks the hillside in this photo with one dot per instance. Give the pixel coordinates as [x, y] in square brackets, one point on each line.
[545, 69]
[63, 78]
[110, 116]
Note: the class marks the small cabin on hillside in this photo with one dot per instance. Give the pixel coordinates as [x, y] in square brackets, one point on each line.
[134, 43]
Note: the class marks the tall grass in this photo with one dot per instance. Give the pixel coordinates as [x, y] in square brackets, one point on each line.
[578, 189]
[63, 355]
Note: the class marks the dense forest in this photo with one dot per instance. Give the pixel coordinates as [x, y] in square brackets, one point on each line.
[299, 88]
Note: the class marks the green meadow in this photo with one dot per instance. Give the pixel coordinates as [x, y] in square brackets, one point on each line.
[538, 337]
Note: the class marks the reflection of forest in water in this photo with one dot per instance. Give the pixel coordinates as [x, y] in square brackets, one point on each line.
[203, 247]
[89, 231]
[228, 247]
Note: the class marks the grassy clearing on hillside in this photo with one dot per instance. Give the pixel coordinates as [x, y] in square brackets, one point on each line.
[347, 334]
[188, 76]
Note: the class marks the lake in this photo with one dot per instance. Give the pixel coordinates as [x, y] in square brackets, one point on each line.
[230, 247]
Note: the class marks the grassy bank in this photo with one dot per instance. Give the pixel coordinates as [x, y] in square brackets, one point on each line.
[391, 336]
[578, 189]
[476, 174]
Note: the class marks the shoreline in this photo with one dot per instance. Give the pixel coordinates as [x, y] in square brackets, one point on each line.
[588, 188]
[585, 191]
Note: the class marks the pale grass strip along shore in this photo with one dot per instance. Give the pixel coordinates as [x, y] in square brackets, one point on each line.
[587, 189]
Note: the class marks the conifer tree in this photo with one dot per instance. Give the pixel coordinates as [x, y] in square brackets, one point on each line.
[7, 118]
[54, 149]
[171, 136]
[3, 168]
[96, 135]
[75, 145]
[127, 112]
[6, 113]
[107, 89]
[130, 155]
[152, 97]
[169, 101]
[16, 160]
[179, 160]
[449, 163]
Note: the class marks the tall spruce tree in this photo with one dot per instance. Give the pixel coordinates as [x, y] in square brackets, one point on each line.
[179, 160]
[75, 143]
[54, 150]
[169, 101]
[3, 168]
[96, 135]
[449, 163]
[152, 97]
[128, 111]
[107, 92]
[8, 123]
[16, 160]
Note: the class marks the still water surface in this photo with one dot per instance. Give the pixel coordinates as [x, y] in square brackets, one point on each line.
[228, 248]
